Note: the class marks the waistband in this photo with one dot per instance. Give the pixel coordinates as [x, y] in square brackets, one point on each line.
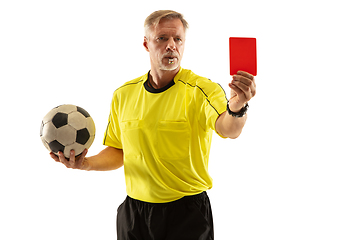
[185, 199]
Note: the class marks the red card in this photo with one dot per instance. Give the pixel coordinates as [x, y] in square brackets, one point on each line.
[242, 55]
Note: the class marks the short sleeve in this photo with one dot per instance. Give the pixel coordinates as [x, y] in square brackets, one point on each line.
[213, 104]
[216, 105]
[112, 136]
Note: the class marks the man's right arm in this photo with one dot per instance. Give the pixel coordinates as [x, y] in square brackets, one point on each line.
[108, 159]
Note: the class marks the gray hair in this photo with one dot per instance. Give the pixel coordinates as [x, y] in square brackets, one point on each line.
[153, 19]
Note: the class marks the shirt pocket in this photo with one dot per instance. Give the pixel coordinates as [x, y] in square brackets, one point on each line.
[173, 139]
[132, 136]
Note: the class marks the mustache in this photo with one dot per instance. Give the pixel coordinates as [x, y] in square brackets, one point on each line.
[170, 54]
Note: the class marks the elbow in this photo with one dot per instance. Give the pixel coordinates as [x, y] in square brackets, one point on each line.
[233, 135]
[229, 127]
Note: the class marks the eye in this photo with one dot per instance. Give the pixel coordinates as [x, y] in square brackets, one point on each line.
[160, 39]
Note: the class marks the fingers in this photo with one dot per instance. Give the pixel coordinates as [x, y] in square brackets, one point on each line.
[245, 78]
[245, 74]
[240, 88]
[53, 156]
[80, 160]
[243, 83]
[63, 160]
[71, 162]
[72, 158]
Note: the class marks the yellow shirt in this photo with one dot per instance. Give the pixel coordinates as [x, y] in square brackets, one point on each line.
[165, 135]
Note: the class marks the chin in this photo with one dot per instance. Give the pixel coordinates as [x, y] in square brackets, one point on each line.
[169, 67]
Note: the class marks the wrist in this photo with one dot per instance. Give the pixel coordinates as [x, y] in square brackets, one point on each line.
[240, 113]
[86, 165]
[236, 109]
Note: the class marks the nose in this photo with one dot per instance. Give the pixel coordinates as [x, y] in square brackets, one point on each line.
[171, 45]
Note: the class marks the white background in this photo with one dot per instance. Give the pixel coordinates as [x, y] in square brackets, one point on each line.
[293, 173]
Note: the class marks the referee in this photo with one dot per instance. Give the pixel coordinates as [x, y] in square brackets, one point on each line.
[160, 129]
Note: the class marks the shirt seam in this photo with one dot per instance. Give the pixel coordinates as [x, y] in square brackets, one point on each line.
[206, 96]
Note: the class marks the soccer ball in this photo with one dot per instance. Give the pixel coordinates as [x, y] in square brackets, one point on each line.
[67, 127]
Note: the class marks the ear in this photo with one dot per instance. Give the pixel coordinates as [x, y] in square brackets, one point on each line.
[145, 44]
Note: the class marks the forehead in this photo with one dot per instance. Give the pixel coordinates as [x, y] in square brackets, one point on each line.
[169, 27]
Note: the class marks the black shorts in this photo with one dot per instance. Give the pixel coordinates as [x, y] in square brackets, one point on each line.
[189, 218]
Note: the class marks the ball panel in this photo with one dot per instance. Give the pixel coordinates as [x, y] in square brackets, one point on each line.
[60, 119]
[77, 120]
[67, 108]
[89, 142]
[49, 132]
[90, 125]
[55, 147]
[83, 112]
[41, 128]
[46, 144]
[49, 116]
[66, 135]
[78, 148]
[82, 136]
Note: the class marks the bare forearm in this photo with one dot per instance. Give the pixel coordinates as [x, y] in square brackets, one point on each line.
[229, 126]
[108, 159]
[243, 88]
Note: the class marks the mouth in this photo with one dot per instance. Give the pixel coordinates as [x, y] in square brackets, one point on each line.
[171, 60]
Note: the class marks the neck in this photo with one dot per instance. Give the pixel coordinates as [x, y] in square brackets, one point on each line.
[161, 78]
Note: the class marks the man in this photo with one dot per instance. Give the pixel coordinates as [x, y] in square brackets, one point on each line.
[160, 129]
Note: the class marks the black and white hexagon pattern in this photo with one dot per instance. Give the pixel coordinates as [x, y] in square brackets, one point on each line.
[67, 127]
